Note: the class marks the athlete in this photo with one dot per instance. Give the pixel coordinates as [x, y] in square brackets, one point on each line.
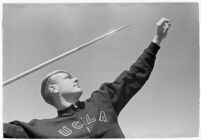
[96, 117]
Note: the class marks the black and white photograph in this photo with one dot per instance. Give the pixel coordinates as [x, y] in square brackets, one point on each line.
[100, 70]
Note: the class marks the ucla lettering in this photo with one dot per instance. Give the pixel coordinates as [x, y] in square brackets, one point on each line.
[65, 131]
[103, 117]
[77, 125]
[90, 120]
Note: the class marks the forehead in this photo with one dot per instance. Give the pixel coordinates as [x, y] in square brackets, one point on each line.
[61, 75]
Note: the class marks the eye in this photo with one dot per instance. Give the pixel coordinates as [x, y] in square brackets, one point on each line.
[68, 77]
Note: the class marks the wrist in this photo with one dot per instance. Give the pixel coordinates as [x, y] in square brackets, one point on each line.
[157, 40]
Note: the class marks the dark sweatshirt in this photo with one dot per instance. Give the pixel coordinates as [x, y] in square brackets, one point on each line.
[97, 116]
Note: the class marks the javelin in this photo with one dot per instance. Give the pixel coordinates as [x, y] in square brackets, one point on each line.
[29, 71]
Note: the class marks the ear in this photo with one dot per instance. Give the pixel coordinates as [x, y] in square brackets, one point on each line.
[53, 88]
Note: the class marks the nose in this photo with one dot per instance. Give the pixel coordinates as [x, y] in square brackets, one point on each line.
[75, 79]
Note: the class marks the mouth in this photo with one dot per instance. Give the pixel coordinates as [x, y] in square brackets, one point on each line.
[76, 85]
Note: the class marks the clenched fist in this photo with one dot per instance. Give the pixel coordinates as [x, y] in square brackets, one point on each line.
[163, 25]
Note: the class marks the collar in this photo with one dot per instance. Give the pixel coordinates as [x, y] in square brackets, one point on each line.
[70, 110]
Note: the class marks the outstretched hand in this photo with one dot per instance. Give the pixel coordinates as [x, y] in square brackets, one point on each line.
[163, 25]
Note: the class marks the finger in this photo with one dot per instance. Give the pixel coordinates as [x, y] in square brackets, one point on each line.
[166, 31]
[162, 21]
[166, 28]
[169, 24]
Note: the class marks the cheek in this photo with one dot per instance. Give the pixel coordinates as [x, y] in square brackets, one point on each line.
[67, 86]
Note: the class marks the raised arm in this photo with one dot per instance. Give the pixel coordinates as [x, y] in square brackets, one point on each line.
[130, 81]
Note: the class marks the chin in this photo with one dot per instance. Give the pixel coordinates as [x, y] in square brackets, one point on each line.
[79, 91]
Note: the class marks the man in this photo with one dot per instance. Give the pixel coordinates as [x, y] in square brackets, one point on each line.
[97, 116]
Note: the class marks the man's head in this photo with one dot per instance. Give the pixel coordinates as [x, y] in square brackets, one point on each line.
[60, 84]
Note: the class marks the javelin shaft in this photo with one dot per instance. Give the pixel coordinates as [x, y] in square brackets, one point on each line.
[19, 76]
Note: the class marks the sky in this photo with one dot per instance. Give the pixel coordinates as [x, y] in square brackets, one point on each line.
[167, 105]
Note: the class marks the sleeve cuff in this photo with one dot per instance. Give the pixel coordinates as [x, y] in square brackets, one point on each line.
[154, 48]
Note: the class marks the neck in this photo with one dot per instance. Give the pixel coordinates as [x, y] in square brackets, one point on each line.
[61, 103]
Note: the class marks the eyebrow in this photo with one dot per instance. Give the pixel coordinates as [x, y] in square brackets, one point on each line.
[68, 75]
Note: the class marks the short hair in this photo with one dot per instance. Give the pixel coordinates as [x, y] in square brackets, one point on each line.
[45, 85]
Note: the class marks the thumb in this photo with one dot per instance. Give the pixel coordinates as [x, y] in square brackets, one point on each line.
[167, 27]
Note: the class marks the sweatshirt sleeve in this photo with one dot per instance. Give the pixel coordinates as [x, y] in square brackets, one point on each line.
[129, 82]
[14, 130]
